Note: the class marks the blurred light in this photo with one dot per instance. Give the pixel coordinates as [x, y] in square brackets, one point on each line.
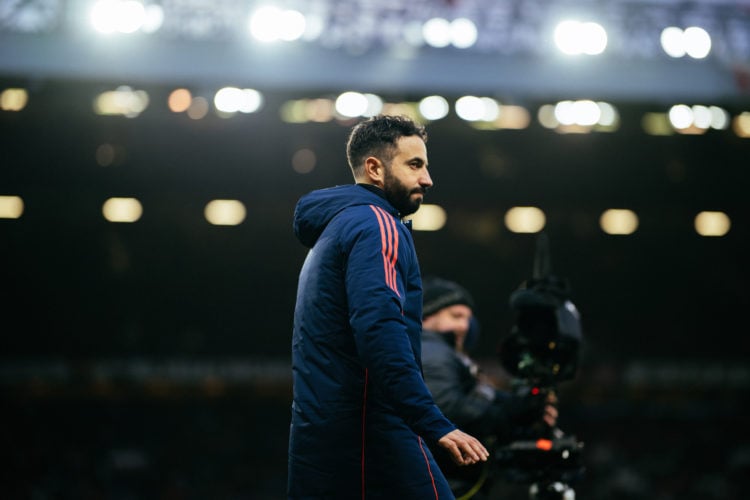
[680, 116]
[320, 110]
[225, 212]
[701, 116]
[693, 41]
[608, 116]
[513, 117]
[104, 16]
[154, 18]
[428, 218]
[656, 124]
[179, 100]
[564, 113]
[232, 99]
[586, 112]
[463, 33]
[13, 99]
[269, 24]
[697, 42]
[311, 110]
[264, 24]
[491, 109]
[580, 117]
[690, 119]
[105, 155]
[618, 221]
[293, 111]
[596, 38]
[122, 210]
[525, 220]
[108, 16]
[374, 105]
[122, 101]
[294, 25]
[506, 117]
[351, 104]
[11, 207]
[314, 27]
[546, 116]
[472, 108]
[437, 32]
[434, 107]
[131, 16]
[712, 223]
[575, 37]
[198, 108]
[741, 124]
[719, 118]
[544, 444]
[672, 42]
[303, 161]
[469, 108]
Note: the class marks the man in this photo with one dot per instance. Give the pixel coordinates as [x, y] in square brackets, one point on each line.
[461, 391]
[362, 416]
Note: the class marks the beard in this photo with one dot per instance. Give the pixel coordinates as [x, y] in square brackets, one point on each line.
[399, 195]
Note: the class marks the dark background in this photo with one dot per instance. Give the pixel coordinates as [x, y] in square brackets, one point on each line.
[151, 360]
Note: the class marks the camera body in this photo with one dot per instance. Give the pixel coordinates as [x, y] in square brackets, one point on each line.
[544, 342]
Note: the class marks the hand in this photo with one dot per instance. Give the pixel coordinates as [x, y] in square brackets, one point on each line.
[550, 409]
[550, 415]
[464, 449]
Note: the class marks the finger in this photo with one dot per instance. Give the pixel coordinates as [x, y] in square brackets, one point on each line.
[456, 454]
[550, 416]
[472, 458]
[478, 451]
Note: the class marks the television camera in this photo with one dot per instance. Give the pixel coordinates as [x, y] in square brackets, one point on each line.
[542, 351]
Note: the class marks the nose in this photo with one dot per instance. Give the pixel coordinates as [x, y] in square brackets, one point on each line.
[425, 180]
[465, 325]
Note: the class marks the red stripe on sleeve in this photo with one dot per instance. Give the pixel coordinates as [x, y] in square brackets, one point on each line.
[389, 241]
[383, 244]
[389, 230]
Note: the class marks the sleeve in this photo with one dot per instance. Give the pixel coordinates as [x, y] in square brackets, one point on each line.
[476, 407]
[470, 405]
[375, 289]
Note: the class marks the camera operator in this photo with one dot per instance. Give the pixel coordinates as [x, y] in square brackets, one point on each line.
[463, 393]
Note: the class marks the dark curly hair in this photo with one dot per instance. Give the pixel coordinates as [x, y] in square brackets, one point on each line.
[377, 136]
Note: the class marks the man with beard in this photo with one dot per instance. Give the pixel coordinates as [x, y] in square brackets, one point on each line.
[362, 417]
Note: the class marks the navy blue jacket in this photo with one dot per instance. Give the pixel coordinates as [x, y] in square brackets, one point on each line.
[361, 411]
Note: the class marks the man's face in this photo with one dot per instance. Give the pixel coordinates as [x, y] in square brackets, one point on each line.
[455, 319]
[406, 179]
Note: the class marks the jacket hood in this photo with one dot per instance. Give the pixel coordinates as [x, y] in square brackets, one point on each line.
[316, 209]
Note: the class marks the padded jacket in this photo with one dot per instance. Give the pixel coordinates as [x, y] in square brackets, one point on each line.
[362, 416]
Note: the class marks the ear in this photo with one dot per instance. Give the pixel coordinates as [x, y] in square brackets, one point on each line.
[375, 171]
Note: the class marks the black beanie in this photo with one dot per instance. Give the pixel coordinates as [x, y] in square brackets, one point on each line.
[438, 293]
